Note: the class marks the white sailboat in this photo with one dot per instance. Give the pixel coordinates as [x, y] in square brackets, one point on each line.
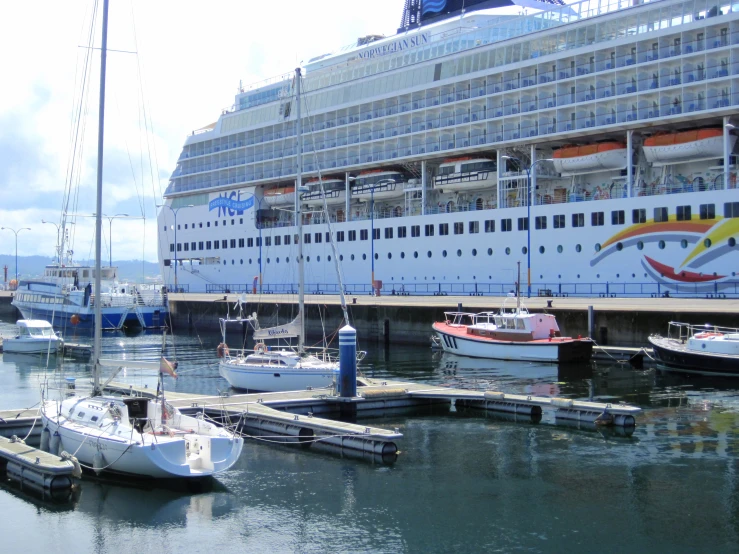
[132, 436]
[284, 368]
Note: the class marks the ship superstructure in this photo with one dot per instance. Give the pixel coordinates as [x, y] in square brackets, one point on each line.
[592, 141]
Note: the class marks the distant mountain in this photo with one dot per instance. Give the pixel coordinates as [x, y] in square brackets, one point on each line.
[33, 266]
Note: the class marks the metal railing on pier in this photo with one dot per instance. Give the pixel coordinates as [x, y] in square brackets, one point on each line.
[723, 289]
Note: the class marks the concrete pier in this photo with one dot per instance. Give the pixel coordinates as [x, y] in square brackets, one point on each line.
[408, 319]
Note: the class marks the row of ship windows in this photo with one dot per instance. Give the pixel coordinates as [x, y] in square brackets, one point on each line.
[597, 219]
[474, 252]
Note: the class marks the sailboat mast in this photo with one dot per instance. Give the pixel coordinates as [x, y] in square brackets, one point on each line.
[99, 209]
[298, 215]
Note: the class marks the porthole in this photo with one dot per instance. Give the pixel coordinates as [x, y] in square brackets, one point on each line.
[619, 246]
[415, 254]
[277, 260]
[707, 243]
[597, 275]
[578, 248]
[559, 248]
[633, 275]
[541, 250]
[578, 275]
[507, 251]
[524, 250]
[249, 260]
[224, 262]
[618, 275]
[352, 257]
[459, 253]
[287, 260]
[377, 256]
[661, 245]
[307, 259]
[443, 253]
[683, 243]
[490, 251]
[389, 256]
[474, 251]
[341, 257]
[640, 245]
[428, 253]
[329, 257]
[364, 256]
[597, 247]
[732, 242]
[242, 261]
[233, 262]
[402, 255]
[318, 258]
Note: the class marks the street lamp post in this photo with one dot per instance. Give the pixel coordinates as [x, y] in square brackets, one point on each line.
[110, 219]
[372, 222]
[529, 200]
[15, 232]
[174, 211]
[58, 244]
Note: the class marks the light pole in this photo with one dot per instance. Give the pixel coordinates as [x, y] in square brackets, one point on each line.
[16, 247]
[174, 211]
[110, 219]
[372, 222]
[58, 244]
[529, 200]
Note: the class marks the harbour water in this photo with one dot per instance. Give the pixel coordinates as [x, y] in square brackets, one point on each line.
[462, 482]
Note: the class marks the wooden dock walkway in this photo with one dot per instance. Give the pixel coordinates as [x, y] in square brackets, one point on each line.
[41, 470]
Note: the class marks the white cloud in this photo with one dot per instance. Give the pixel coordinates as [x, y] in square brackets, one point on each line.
[191, 55]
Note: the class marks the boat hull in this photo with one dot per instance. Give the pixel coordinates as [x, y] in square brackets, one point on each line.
[112, 318]
[24, 346]
[157, 459]
[278, 379]
[673, 354]
[455, 340]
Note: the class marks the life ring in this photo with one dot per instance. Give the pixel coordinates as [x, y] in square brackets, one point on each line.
[260, 347]
[222, 350]
[708, 335]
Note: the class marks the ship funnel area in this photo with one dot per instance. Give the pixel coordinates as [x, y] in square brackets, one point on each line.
[347, 362]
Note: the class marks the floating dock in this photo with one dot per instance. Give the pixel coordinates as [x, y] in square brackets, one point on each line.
[76, 350]
[35, 468]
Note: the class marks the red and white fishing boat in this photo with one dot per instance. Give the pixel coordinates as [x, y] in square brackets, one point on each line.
[466, 173]
[588, 158]
[693, 144]
[510, 335]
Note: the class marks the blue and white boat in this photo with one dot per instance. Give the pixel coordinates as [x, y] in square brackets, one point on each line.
[65, 296]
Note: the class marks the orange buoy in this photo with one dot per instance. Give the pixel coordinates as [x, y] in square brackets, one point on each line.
[75, 319]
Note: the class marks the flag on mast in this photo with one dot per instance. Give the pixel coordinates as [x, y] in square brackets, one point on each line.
[165, 366]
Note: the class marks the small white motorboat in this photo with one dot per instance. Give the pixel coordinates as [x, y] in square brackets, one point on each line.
[34, 336]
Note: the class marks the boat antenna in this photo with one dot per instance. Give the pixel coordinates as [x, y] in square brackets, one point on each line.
[299, 216]
[97, 336]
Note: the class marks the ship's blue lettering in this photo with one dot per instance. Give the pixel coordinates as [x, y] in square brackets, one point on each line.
[230, 204]
[397, 46]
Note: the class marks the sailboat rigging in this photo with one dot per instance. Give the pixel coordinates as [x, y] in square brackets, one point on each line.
[132, 435]
[284, 369]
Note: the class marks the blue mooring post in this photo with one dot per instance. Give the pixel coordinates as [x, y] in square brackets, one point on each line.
[347, 362]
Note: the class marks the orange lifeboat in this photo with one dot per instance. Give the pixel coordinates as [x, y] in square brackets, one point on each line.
[589, 158]
[692, 144]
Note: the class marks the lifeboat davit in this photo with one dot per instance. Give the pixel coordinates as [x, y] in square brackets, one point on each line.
[694, 144]
[279, 195]
[589, 158]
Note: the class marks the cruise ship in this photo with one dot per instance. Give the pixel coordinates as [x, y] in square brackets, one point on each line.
[593, 142]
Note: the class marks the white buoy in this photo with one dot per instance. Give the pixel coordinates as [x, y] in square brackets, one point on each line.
[54, 443]
[45, 437]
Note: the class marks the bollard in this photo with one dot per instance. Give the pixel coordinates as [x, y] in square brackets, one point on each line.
[459, 306]
[591, 321]
[347, 362]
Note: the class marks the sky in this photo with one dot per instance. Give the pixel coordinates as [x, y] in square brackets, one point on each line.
[177, 64]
